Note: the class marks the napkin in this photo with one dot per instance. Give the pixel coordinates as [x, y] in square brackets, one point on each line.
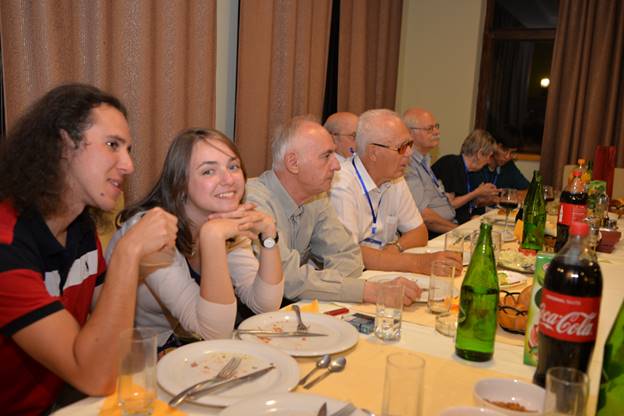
[111, 408]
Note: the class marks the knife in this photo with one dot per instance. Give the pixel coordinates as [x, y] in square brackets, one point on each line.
[264, 333]
[225, 385]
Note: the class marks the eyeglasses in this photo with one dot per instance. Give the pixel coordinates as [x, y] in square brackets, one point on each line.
[343, 134]
[401, 149]
[428, 129]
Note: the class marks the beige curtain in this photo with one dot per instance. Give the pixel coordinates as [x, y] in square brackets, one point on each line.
[158, 56]
[370, 34]
[586, 97]
[282, 59]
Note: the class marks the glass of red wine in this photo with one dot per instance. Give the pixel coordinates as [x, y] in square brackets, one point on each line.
[508, 201]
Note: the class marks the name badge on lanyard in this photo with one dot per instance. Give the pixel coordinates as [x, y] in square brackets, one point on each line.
[370, 204]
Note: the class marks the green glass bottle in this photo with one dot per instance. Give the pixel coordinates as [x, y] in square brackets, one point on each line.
[534, 218]
[478, 301]
[611, 393]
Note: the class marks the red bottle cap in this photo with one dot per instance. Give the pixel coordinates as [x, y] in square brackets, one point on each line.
[579, 228]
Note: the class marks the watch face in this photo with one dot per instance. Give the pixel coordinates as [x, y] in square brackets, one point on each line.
[269, 242]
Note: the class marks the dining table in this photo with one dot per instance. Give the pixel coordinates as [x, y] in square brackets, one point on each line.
[448, 380]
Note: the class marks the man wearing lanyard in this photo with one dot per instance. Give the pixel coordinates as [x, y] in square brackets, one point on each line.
[373, 201]
[319, 257]
[427, 190]
[341, 126]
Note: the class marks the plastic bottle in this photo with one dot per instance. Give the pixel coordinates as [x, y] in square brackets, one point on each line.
[570, 306]
[478, 301]
[572, 207]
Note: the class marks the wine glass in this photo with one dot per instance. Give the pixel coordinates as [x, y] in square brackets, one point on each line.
[508, 201]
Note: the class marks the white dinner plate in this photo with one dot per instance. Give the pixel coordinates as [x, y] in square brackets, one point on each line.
[199, 361]
[421, 279]
[513, 279]
[286, 404]
[516, 261]
[340, 334]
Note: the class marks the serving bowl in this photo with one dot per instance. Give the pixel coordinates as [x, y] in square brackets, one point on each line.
[509, 396]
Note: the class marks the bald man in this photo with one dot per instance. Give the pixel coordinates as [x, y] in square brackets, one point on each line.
[427, 190]
[342, 126]
[372, 200]
[319, 257]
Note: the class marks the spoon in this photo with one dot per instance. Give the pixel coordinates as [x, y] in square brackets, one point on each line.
[335, 366]
[323, 362]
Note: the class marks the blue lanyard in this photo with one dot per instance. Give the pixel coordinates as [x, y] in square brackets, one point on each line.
[370, 204]
[471, 204]
[429, 172]
[494, 175]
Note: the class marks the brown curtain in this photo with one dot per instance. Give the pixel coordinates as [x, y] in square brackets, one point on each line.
[370, 34]
[158, 56]
[586, 98]
[282, 59]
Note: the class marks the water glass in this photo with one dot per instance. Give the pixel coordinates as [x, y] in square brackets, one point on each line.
[388, 312]
[567, 390]
[440, 295]
[458, 241]
[136, 385]
[403, 386]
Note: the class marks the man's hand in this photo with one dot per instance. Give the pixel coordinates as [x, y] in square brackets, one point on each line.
[451, 257]
[411, 291]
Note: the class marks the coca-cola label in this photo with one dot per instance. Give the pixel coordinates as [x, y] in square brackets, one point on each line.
[569, 318]
[568, 213]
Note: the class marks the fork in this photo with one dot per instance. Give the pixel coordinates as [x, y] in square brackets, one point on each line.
[223, 374]
[300, 325]
[345, 411]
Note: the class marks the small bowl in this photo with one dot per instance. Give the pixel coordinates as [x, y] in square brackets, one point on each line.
[504, 390]
[469, 411]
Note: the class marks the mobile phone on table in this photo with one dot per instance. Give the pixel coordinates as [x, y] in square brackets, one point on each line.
[365, 324]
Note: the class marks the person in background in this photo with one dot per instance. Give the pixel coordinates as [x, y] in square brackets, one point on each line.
[373, 201]
[341, 126]
[61, 165]
[453, 171]
[427, 190]
[203, 183]
[319, 256]
[500, 171]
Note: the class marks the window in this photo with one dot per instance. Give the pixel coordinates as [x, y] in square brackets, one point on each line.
[515, 69]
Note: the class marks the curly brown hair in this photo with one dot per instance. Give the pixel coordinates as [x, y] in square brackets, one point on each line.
[31, 174]
[170, 191]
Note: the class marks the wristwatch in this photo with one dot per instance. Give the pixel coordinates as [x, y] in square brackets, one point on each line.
[397, 245]
[268, 242]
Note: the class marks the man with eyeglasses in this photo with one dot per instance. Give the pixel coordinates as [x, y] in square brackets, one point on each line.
[341, 126]
[427, 190]
[373, 201]
[319, 257]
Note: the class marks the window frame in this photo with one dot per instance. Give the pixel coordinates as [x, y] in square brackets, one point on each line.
[487, 55]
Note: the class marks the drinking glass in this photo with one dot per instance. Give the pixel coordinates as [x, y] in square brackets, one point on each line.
[508, 201]
[156, 260]
[388, 312]
[458, 241]
[549, 193]
[440, 295]
[567, 390]
[403, 385]
[497, 242]
[136, 385]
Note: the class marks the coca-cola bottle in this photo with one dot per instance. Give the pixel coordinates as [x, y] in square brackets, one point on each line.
[570, 306]
[572, 207]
